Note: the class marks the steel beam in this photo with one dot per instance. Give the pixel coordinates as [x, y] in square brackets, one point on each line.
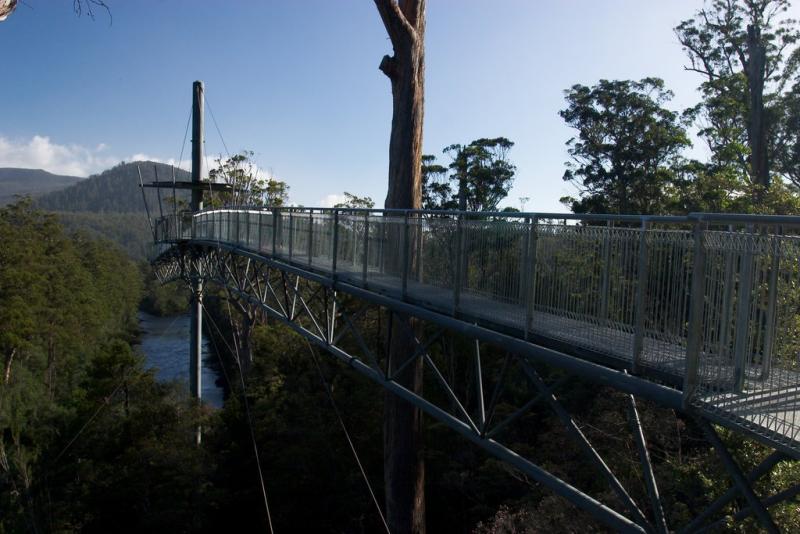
[738, 477]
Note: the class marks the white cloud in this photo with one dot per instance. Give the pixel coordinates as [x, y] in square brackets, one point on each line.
[331, 200]
[183, 164]
[39, 152]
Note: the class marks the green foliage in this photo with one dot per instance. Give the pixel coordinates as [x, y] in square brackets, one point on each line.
[481, 175]
[129, 231]
[355, 201]
[724, 41]
[627, 147]
[162, 299]
[249, 188]
[88, 440]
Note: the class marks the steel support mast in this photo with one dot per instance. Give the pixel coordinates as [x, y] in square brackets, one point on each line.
[196, 333]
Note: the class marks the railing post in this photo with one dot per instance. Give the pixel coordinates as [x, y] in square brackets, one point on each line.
[532, 238]
[419, 265]
[606, 272]
[275, 218]
[459, 255]
[335, 252]
[247, 228]
[694, 338]
[641, 298]
[238, 229]
[740, 348]
[727, 304]
[260, 230]
[405, 256]
[772, 298]
[291, 232]
[381, 242]
[366, 248]
[310, 235]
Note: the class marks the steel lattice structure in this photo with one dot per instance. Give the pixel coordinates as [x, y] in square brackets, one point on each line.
[319, 271]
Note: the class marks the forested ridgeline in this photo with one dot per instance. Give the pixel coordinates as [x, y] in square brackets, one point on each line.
[109, 205]
[116, 190]
[34, 182]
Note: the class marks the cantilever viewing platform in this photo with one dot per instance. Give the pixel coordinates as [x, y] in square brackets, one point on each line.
[621, 290]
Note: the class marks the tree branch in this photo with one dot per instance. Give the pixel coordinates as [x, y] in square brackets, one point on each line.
[397, 26]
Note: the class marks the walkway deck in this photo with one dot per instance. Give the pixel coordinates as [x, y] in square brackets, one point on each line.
[596, 291]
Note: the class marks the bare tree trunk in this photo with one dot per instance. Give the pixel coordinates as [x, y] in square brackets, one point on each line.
[404, 468]
[9, 361]
[756, 128]
[403, 439]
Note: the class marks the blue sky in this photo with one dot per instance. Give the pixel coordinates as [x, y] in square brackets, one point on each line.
[296, 81]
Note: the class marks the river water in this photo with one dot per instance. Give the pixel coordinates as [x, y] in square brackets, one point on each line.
[165, 344]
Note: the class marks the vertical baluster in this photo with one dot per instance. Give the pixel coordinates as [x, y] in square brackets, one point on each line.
[335, 252]
[246, 224]
[405, 255]
[641, 297]
[532, 241]
[740, 348]
[275, 231]
[772, 299]
[310, 236]
[381, 242]
[457, 283]
[420, 225]
[291, 232]
[260, 230]
[727, 302]
[694, 341]
[606, 271]
[366, 248]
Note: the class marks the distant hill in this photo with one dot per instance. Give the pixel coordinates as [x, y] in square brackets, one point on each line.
[116, 190]
[33, 182]
[109, 204]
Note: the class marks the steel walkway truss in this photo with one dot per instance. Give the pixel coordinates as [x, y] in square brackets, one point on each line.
[326, 312]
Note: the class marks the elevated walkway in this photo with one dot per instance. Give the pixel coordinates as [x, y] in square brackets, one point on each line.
[708, 305]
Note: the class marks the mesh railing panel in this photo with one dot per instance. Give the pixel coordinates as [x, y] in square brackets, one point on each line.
[619, 287]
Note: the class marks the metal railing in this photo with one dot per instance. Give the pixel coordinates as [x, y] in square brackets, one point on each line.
[710, 300]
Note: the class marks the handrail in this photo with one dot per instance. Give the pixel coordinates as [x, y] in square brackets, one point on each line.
[720, 218]
[660, 294]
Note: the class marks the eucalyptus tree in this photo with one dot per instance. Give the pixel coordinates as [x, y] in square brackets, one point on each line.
[404, 468]
[627, 150]
[478, 177]
[249, 187]
[743, 51]
[355, 201]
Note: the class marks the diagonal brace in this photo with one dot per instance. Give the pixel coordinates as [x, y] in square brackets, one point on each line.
[761, 469]
[738, 477]
[647, 466]
[593, 455]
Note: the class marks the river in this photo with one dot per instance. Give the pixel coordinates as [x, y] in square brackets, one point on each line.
[165, 344]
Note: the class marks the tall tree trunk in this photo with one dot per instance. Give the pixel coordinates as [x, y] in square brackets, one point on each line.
[404, 468]
[756, 127]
